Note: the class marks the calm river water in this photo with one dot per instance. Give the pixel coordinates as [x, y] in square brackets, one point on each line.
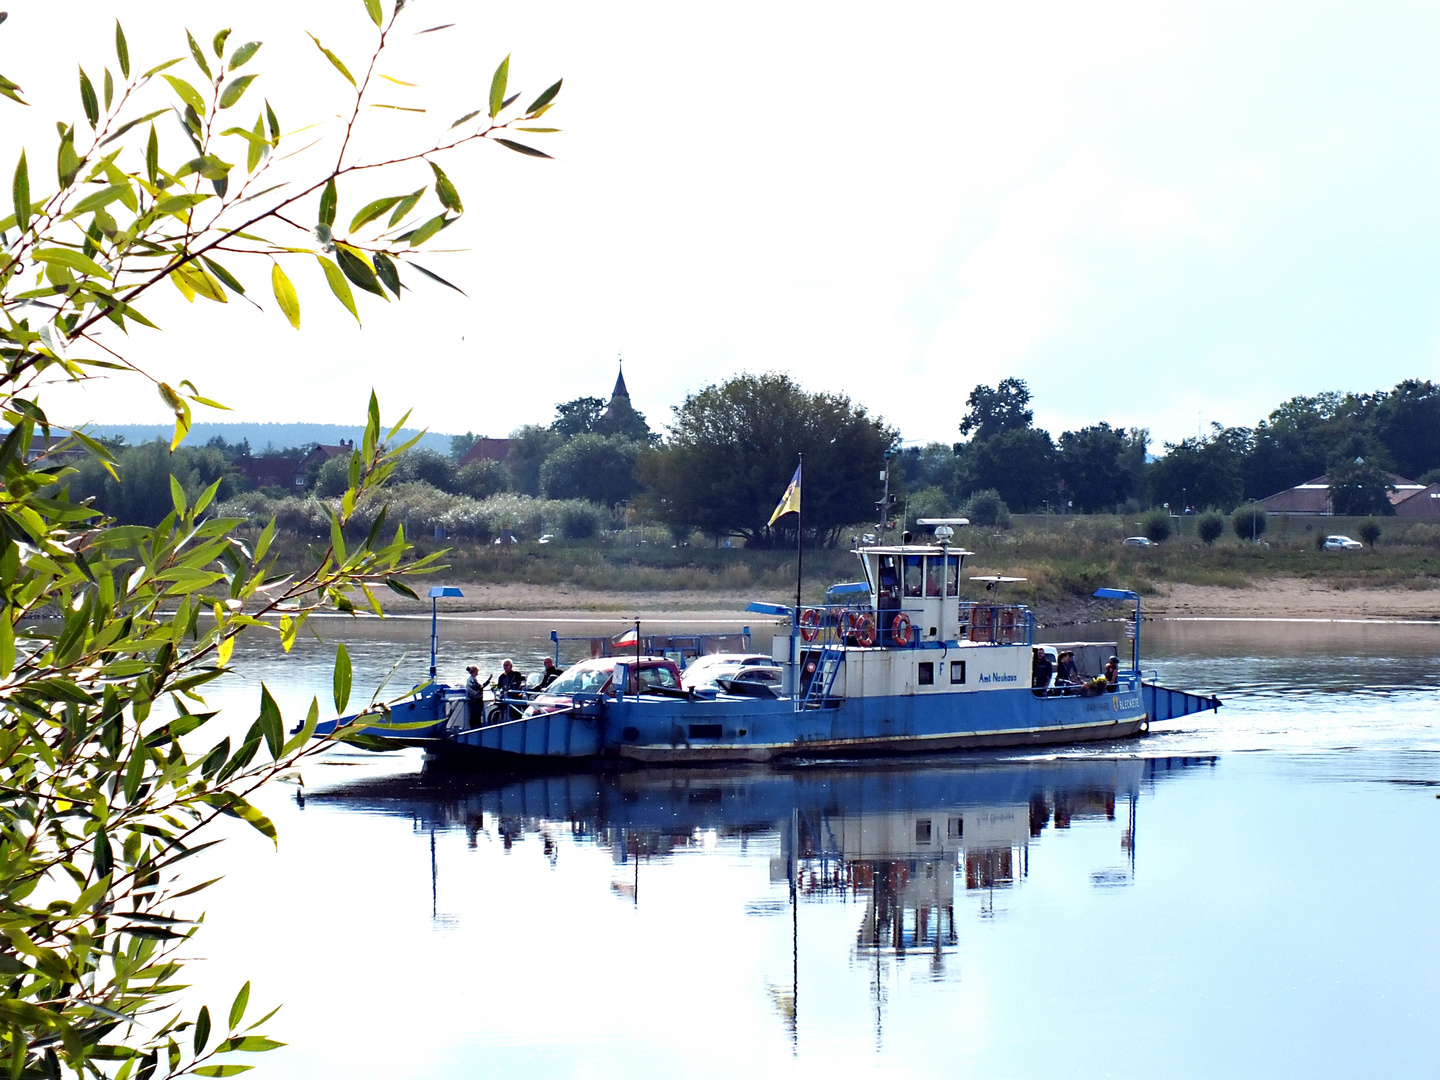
[1252, 893]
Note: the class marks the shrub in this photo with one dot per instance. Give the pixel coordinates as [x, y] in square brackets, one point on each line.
[1210, 527]
[1156, 526]
[333, 478]
[988, 509]
[421, 465]
[481, 479]
[1369, 531]
[1249, 522]
[581, 520]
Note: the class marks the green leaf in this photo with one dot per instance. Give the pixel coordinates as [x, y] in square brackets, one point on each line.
[248, 1044]
[396, 585]
[199, 56]
[373, 7]
[161, 67]
[20, 189]
[123, 128]
[243, 54]
[202, 1029]
[436, 277]
[233, 91]
[88, 100]
[187, 93]
[122, 51]
[335, 277]
[109, 89]
[7, 643]
[333, 59]
[220, 1070]
[67, 162]
[445, 191]
[356, 269]
[177, 495]
[327, 204]
[467, 116]
[237, 1010]
[386, 271]
[497, 87]
[258, 143]
[342, 677]
[407, 204]
[219, 42]
[429, 229]
[545, 98]
[73, 259]
[285, 295]
[371, 211]
[104, 861]
[521, 148]
[274, 122]
[270, 723]
[223, 274]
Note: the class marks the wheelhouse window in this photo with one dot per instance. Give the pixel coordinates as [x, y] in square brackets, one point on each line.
[934, 573]
[914, 575]
[952, 575]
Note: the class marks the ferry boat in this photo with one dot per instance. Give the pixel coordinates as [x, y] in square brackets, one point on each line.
[900, 663]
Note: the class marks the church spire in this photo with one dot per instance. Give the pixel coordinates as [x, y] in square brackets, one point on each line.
[620, 390]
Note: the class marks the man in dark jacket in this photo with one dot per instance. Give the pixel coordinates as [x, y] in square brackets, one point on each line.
[1040, 671]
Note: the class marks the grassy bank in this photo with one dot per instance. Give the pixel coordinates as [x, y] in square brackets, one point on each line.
[1064, 561]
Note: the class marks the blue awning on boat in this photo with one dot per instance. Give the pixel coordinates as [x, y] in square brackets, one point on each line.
[770, 609]
[849, 588]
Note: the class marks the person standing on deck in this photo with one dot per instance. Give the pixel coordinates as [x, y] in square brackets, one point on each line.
[509, 683]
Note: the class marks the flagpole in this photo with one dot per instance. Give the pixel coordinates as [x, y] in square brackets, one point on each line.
[799, 542]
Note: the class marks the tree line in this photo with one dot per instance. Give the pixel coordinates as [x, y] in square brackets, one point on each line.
[731, 448]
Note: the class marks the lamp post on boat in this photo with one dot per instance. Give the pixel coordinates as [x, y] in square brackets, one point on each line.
[1126, 594]
[437, 591]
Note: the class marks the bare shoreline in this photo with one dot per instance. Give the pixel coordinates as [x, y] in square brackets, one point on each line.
[1280, 598]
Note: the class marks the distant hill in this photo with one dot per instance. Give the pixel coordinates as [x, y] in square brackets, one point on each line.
[262, 437]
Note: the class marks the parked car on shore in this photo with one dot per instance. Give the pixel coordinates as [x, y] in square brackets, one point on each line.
[1341, 543]
[1137, 541]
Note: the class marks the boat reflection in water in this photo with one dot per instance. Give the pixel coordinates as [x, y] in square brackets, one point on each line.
[903, 840]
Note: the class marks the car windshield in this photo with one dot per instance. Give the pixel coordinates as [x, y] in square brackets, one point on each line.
[580, 680]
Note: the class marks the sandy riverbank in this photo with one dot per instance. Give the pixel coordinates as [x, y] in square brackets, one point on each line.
[1295, 599]
[1276, 599]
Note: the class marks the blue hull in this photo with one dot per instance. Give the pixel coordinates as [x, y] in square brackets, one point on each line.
[676, 731]
[671, 731]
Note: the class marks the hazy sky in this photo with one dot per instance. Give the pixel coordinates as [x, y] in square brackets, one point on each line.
[1156, 214]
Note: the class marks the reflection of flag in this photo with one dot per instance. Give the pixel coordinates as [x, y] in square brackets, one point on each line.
[790, 501]
[629, 637]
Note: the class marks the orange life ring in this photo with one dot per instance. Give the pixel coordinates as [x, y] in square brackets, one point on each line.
[809, 624]
[844, 623]
[900, 629]
[865, 629]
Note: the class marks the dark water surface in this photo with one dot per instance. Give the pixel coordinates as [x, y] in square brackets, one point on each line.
[1252, 893]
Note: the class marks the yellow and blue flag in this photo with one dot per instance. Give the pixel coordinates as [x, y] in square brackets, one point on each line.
[790, 501]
